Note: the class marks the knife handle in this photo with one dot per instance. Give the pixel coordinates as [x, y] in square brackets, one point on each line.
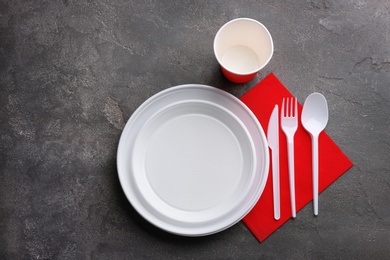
[276, 184]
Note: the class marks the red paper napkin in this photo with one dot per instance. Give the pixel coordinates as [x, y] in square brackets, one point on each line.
[332, 161]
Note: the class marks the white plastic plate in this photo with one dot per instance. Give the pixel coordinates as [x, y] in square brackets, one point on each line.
[193, 160]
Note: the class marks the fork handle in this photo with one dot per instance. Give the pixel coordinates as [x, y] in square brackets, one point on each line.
[290, 152]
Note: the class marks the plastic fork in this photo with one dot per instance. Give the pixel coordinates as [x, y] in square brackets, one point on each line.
[289, 123]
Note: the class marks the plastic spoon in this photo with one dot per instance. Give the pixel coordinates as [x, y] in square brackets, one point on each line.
[314, 119]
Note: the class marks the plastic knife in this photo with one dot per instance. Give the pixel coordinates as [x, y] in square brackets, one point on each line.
[273, 143]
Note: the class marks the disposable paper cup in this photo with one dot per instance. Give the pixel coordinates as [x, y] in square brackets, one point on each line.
[243, 47]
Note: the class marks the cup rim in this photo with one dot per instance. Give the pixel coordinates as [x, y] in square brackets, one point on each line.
[268, 34]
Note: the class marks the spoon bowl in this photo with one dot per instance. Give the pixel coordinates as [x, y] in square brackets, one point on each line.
[315, 113]
[314, 119]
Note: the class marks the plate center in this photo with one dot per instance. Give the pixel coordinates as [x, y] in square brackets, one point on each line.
[193, 162]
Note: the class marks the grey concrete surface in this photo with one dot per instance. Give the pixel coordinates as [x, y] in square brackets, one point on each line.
[72, 73]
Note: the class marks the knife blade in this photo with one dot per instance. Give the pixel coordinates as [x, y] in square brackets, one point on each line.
[273, 143]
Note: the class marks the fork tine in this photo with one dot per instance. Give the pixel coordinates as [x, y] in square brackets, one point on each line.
[296, 108]
[288, 107]
[287, 114]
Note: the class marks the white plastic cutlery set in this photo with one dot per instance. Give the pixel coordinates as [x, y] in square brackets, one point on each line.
[314, 118]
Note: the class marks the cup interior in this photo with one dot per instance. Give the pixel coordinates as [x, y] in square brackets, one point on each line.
[243, 46]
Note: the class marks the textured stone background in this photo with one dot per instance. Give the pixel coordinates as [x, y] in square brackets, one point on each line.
[72, 73]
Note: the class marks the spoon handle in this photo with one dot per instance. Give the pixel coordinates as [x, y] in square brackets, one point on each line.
[315, 173]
